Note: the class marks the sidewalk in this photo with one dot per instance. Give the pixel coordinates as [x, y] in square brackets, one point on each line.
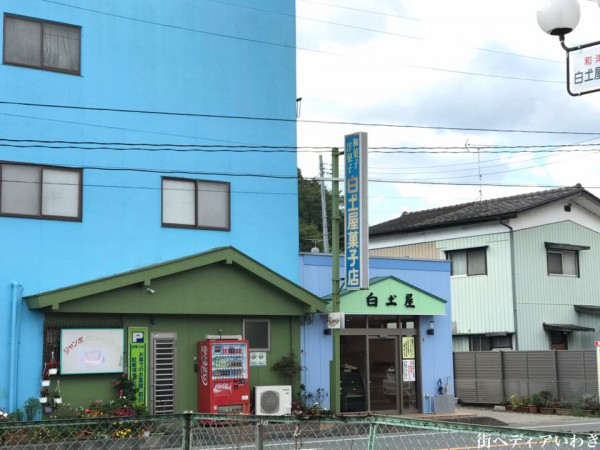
[487, 416]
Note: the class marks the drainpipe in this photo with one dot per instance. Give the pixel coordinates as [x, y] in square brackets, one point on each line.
[12, 383]
[512, 280]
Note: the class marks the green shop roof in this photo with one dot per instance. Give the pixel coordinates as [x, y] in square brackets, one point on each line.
[390, 296]
[219, 281]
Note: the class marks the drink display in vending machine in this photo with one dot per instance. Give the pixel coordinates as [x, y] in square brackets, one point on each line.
[223, 376]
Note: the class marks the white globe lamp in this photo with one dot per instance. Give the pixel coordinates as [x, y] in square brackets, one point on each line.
[559, 17]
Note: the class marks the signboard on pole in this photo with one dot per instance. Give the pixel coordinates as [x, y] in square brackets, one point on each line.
[356, 222]
[138, 363]
[583, 69]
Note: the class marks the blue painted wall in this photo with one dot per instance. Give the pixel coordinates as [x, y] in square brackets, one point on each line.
[436, 351]
[185, 56]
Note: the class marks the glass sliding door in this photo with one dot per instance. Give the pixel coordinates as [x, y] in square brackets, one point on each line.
[383, 369]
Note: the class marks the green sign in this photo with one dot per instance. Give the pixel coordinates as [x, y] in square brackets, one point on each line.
[138, 361]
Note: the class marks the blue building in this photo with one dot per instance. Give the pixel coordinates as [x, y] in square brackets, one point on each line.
[131, 135]
[396, 337]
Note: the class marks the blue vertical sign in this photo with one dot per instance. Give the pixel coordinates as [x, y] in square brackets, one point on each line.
[356, 222]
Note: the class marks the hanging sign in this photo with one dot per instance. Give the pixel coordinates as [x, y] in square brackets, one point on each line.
[583, 69]
[356, 223]
[138, 362]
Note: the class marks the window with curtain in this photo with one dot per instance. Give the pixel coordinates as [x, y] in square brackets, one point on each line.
[468, 262]
[41, 44]
[562, 262]
[39, 191]
[195, 204]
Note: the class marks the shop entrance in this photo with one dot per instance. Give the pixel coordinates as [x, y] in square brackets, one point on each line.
[379, 365]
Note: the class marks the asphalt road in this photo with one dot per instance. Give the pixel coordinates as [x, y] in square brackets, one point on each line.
[543, 422]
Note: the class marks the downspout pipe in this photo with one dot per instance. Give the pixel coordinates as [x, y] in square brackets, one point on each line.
[512, 279]
[17, 289]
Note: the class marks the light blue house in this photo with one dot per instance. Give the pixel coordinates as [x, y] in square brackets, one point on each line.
[132, 133]
[396, 337]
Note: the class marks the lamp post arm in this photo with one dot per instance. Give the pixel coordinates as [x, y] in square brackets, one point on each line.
[577, 47]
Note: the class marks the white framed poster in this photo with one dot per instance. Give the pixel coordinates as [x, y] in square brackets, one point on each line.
[408, 370]
[91, 350]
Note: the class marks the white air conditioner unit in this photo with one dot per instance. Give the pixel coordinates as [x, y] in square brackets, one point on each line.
[273, 400]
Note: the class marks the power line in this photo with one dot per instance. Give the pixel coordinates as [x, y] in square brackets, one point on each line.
[295, 47]
[373, 30]
[266, 148]
[286, 120]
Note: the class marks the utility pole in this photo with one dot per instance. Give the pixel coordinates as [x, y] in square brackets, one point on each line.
[335, 288]
[323, 207]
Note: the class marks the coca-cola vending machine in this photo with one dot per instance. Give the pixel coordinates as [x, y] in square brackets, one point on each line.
[223, 376]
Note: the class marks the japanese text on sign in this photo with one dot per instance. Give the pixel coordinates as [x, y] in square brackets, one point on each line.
[72, 345]
[356, 240]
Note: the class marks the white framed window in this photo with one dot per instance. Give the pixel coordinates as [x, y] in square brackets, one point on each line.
[41, 44]
[195, 204]
[40, 191]
[563, 259]
[563, 262]
[468, 262]
[258, 333]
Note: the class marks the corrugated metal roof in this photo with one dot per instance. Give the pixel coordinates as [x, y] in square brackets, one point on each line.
[466, 213]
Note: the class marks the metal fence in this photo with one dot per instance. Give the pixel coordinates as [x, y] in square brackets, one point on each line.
[195, 431]
[492, 377]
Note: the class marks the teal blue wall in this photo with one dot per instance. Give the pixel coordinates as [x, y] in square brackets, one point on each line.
[184, 56]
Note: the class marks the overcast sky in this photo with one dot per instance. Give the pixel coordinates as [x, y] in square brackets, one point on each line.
[467, 64]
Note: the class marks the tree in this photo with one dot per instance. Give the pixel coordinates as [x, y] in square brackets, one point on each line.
[310, 214]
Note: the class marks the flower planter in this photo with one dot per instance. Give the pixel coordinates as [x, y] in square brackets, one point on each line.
[58, 400]
[533, 409]
[48, 409]
[52, 371]
[564, 411]
[45, 383]
[43, 399]
[547, 409]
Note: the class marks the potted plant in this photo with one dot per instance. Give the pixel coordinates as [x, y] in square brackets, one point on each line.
[288, 366]
[546, 402]
[52, 367]
[56, 397]
[537, 401]
[565, 408]
[44, 392]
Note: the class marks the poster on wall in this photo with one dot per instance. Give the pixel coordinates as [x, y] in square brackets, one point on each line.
[258, 359]
[91, 350]
[408, 347]
[408, 370]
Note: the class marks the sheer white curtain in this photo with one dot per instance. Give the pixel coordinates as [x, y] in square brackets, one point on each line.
[61, 47]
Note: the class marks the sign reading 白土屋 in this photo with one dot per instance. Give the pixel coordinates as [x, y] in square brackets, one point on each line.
[583, 70]
[356, 218]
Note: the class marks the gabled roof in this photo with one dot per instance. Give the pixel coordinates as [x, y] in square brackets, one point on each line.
[483, 211]
[145, 276]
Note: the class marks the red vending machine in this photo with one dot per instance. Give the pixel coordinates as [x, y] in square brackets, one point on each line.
[223, 377]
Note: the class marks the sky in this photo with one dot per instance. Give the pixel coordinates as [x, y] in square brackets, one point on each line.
[456, 77]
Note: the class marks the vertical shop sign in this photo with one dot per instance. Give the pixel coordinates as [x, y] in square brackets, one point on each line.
[356, 206]
[138, 363]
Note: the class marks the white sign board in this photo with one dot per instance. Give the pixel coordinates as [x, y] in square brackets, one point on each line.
[91, 350]
[583, 70]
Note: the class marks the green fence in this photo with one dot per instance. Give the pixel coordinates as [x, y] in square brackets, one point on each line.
[197, 431]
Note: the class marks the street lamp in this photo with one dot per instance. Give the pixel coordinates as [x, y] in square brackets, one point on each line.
[558, 18]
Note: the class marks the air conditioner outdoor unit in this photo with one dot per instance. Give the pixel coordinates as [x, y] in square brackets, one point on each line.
[273, 400]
